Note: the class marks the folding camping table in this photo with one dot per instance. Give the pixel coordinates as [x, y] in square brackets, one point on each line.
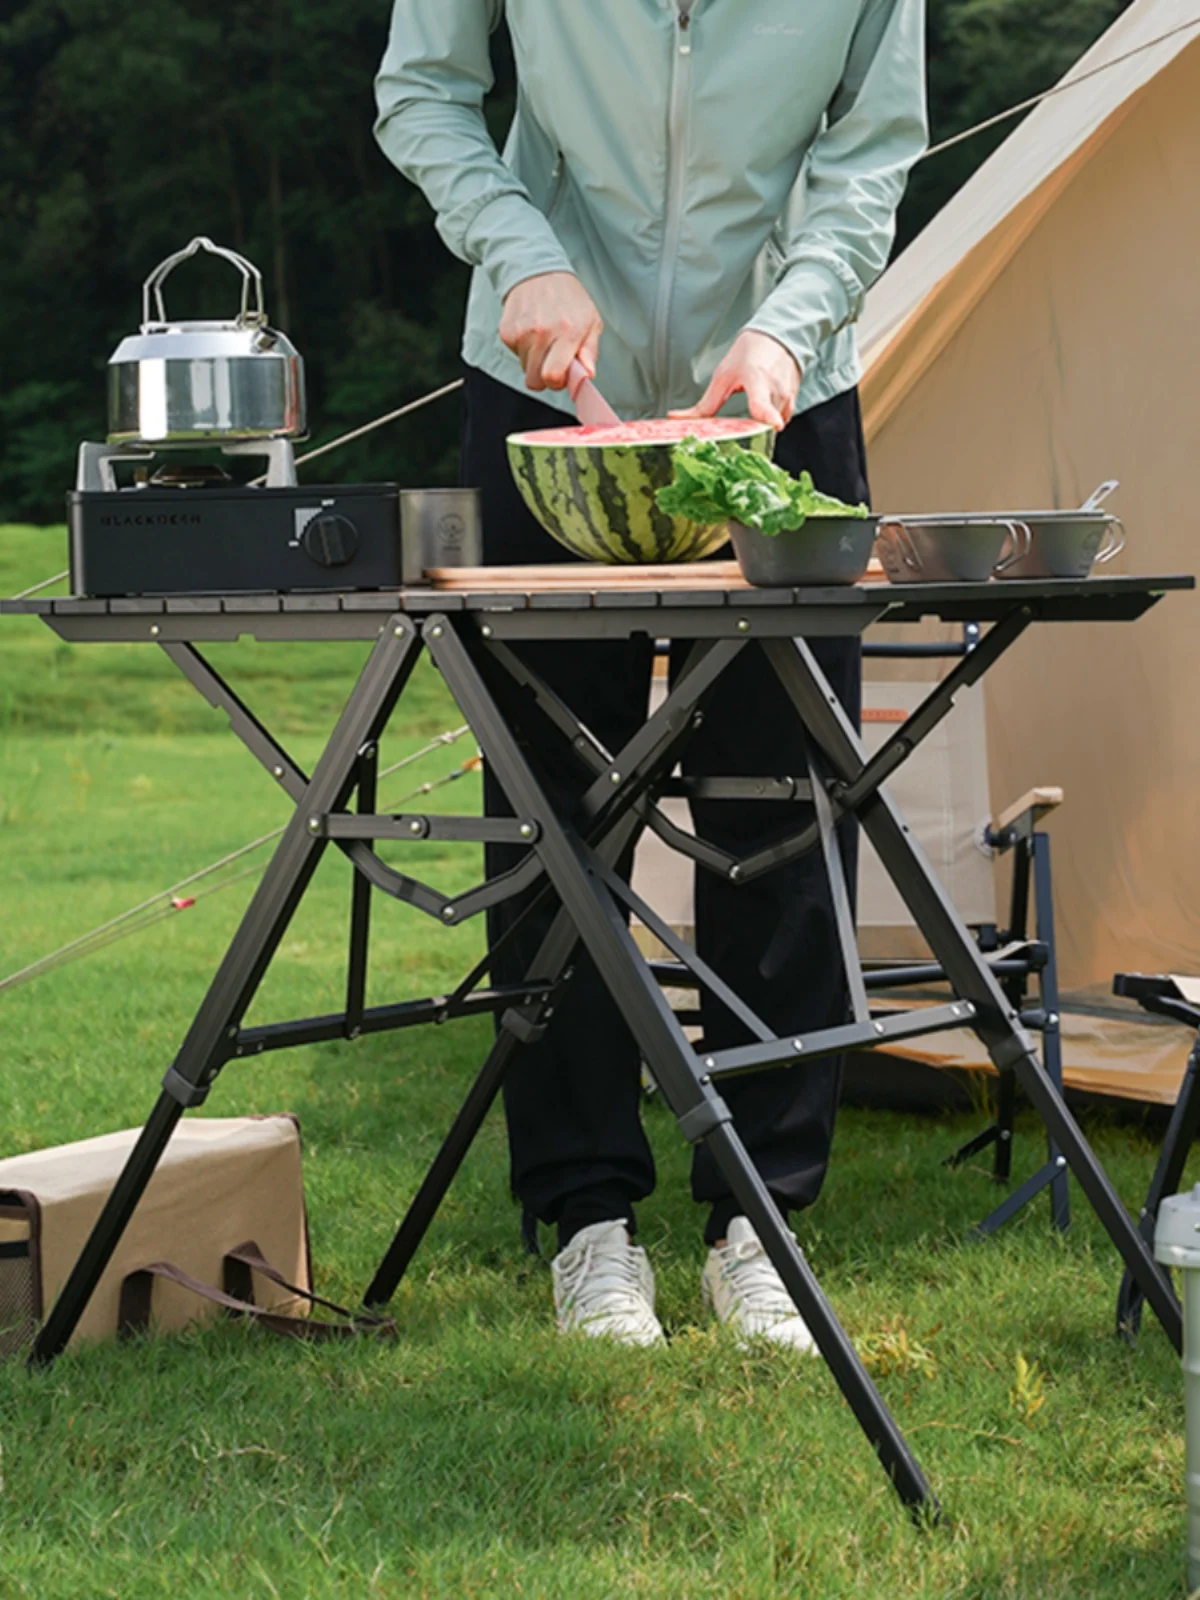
[571, 862]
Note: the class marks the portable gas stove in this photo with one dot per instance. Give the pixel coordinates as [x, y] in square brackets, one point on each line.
[146, 522]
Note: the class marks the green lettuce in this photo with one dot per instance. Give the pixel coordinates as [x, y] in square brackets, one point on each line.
[715, 484]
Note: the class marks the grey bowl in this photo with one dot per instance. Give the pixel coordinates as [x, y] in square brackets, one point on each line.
[826, 550]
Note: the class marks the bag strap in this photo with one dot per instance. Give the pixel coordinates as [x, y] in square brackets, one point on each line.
[237, 1296]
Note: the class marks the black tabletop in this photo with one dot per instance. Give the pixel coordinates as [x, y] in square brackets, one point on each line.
[601, 613]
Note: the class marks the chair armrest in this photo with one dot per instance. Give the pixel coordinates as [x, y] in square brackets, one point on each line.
[1023, 816]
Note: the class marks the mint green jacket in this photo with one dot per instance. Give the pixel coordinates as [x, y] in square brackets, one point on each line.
[735, 163]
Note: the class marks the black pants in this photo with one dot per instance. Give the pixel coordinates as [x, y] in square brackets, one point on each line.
[579, 1154]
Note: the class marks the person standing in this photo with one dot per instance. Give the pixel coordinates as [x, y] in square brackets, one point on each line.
[693, 199]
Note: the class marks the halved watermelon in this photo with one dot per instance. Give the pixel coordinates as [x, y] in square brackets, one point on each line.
[593, 489]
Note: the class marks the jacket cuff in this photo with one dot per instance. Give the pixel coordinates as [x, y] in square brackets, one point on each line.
[512, 241]
[807, 306]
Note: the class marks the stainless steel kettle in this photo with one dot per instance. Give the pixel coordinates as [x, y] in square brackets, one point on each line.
[180, 383]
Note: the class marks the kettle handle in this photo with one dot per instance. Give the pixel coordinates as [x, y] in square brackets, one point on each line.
[247, 318]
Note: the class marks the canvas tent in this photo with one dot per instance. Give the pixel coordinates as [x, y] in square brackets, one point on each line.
[1043, 334]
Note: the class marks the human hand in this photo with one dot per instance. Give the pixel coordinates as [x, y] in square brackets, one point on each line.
[764, 369]
[548, 321]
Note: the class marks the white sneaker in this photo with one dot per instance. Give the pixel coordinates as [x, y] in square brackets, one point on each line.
[603, 1286]
[741, 1285]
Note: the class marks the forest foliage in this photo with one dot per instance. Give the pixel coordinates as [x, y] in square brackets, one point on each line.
[126, 130]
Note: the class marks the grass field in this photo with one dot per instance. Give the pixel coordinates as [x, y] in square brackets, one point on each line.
[482, 1455]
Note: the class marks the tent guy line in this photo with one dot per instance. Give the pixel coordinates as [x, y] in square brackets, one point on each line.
[1058, 88]
[38, 587]
[369, 427]
[166, 901]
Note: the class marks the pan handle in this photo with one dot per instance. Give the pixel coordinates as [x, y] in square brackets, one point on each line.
[1020, 540]
[893, 526]
[1100, 494]
[251, 276]
[1114, 541]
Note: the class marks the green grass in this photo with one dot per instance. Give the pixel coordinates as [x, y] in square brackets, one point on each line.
[481, 1455]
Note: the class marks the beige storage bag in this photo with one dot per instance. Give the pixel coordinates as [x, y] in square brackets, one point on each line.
[221, 1184]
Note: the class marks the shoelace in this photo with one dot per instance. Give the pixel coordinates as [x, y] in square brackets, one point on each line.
[617, 1275]
[759, 1285]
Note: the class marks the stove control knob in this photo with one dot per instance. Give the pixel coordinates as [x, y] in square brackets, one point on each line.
[330, 540]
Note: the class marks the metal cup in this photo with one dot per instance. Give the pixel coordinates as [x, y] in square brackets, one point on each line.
[439, 528]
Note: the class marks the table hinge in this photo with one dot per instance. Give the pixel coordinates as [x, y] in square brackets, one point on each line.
[520, 1026]
[188, 1094]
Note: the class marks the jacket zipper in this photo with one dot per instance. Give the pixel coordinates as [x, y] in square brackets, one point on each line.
[681, 72]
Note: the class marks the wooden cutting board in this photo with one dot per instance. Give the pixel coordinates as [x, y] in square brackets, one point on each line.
[586, 577]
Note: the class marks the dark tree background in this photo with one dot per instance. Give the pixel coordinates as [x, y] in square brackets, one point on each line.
[125, 130]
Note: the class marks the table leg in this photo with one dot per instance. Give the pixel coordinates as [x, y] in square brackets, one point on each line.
[1060, 1202]
[210, 1038]
[701, 1111]
[360, 903]
[996, 1023]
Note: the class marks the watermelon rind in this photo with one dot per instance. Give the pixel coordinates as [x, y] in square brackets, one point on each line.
[593, 489]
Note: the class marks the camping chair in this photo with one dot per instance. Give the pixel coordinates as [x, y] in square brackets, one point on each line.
[1179, 999]
[1020, 962]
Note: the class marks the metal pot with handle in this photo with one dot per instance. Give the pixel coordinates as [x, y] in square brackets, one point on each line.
[948, 549]
[181, 383]
[1067, 544]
